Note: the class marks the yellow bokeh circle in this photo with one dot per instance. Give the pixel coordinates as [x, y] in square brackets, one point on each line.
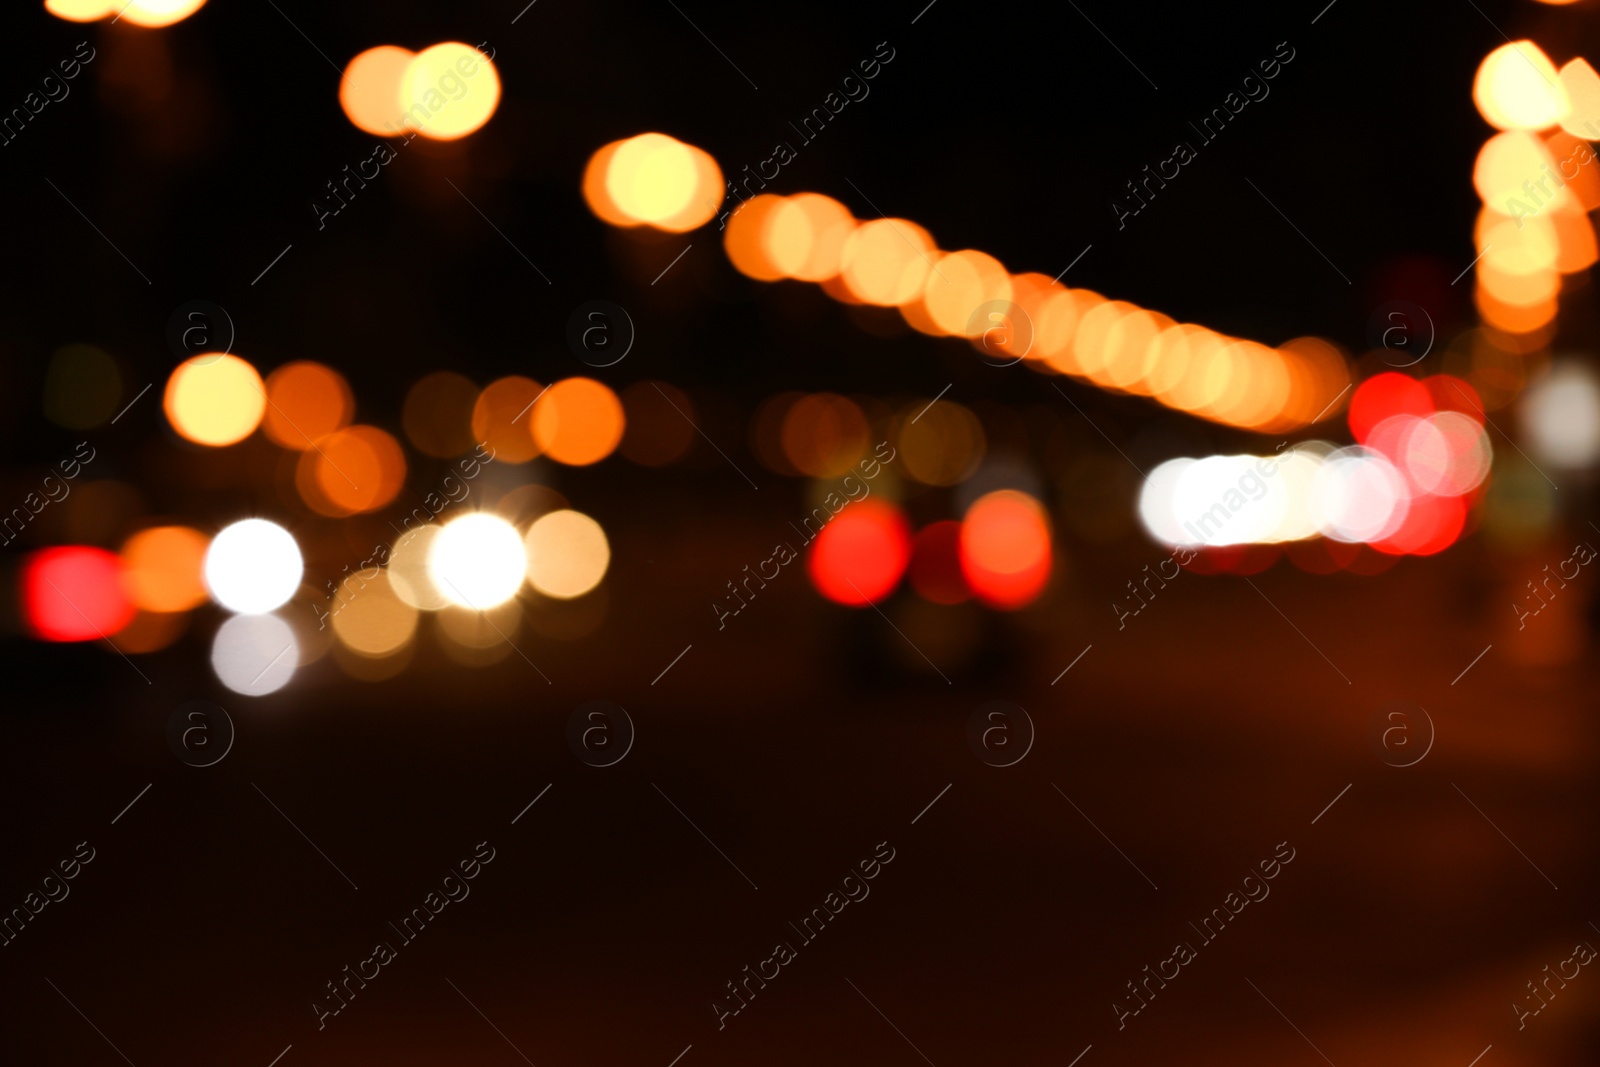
[449, 91]
[214, 399]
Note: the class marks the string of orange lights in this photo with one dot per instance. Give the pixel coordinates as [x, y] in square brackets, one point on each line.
[657, 181]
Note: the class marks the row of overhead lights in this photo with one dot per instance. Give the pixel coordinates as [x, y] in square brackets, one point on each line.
[657, 181]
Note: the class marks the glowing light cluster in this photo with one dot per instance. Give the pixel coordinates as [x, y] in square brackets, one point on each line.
[575, 421]
[466, 576]
[999, 552]
[1029, 318]
[653, 180]
[480, 561]
[1538, 179]
[444, 92]
[1404, 489]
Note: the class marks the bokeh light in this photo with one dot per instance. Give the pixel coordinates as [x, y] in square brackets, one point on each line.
[370, 89]
[253, 566]
[1574, 232]
[1359, 496]
[373, 620]
[502, 418]
[1384, 396]
[214, 399]
[1225, 500]
[745, 239]
[1406, 490]
[255, 654]
[1450, 393]
[653, 180]
[804, 236]
[74, 593]
[940, 444]
[766, 432]
[80, 10]
[163, 568]
[860, 556]
[957, 284]
[353, 470]
[81, 387]
[478, 561]
[156, 13]
[578, 421]
[1115, 344]
[408, 571]
[824, 434]
[1446, 454]
[1158, 503]
[456, 88]
[1517, 246]
[886, 261]
[305, 401]
[1561, 416]
[593, 186]
[1515, 319]
[438, 412]
[567, 554]
[1517, 88]
[1505, 161]
[1005, 548]
[1582, 86]
[1324, 383]
[1431, 524]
